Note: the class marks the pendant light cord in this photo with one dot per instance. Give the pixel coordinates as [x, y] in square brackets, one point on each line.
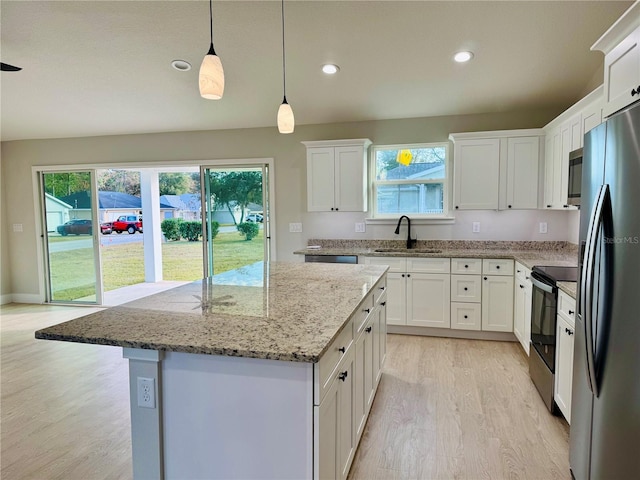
[284, 69]
[211, 19]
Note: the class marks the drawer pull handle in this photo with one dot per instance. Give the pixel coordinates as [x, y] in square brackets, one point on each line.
[383, 303]
[383, 288]
[466, 266]
[571, 312]
[519, 271]
[342, 349]
[569, 332]
[635, 92]
[408, 274]
[465, 289]
[497, 267]
[485, 278]
[466, 316]
[368, 329]
[366, 310]
[521, 286]
[343, 375]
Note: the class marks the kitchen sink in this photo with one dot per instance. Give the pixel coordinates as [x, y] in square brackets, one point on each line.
[406, 250]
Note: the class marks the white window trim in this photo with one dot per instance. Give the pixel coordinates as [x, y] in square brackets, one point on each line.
[444, 217]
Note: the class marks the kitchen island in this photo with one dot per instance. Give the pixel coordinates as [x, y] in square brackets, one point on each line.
[232, 381]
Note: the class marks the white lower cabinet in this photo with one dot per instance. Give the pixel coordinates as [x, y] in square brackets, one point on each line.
[565, 330]
[466, 316]
[466, 293]
[346, 400]
[522, 292]
[497, 303]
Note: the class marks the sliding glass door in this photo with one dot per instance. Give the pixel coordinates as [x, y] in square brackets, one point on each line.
[71, 230]
[235, 202]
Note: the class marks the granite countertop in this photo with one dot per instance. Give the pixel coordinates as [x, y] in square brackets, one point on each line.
[529, 254]
[570, 288]
[294, 316]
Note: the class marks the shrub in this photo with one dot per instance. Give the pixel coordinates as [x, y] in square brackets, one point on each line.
[192, 231]
[248, 230]
[171, 228]
[215, 226]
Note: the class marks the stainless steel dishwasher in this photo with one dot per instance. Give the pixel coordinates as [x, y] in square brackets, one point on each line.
[331, 258]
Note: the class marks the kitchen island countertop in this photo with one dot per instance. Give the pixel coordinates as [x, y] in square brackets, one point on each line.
[294, 316]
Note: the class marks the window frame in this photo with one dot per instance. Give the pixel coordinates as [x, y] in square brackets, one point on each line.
[446, 181]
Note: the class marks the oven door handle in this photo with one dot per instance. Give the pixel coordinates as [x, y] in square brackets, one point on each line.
[542, 286]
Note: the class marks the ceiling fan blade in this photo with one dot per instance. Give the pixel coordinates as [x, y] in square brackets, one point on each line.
[5, 67]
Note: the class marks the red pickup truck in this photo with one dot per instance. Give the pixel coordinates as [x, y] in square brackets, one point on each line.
[128, 223]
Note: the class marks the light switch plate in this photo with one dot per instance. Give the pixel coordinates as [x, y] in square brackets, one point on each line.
[295, 227]
[543, 227]
[360, 227]
[476, 227]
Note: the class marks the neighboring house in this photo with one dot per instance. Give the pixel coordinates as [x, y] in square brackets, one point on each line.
[186, 206]
[57, 212]
[428, 197]
[110, 204]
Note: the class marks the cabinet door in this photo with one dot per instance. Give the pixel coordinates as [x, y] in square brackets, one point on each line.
[320, 179]
[522, 172]
[369, 373]
[564, 369]
[383, 337]
[396, 299]
[350, 179]
[622, 74]
[428, 300]
[497, 303]
[591, 117]
[346, 433]
[377, 350]
[359, 394]
[552, 170]
[476, 174]
[466, 288]
[327, 435]
[566, 140]
[519, 313]
[528, 293]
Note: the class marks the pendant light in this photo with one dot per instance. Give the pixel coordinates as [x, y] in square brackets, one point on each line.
[211, 77]
[286, 122]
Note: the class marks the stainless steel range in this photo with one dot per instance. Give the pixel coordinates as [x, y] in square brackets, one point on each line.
[542, 357]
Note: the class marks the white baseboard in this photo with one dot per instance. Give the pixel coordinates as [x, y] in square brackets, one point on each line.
[4, 299]
[451, 333]
[27, 298]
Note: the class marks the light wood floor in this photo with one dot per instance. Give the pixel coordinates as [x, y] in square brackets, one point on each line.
[445, 409]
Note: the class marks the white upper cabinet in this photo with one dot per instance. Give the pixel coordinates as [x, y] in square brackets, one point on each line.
[337, 175]
[496, 170]
[476, 174]
[621, 47]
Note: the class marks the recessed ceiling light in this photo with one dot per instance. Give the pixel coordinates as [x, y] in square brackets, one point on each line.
[181, 65]
[330, 69]
[462, 57]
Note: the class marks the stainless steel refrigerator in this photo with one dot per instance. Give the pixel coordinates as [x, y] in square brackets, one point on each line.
[605, 404]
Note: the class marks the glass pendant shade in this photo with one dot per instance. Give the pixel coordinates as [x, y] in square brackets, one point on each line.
[286, 122]
[211, 77]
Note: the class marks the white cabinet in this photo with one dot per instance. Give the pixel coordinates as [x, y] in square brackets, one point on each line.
[466, 293]
[522, 306]
[476, 174]
[497, 295]
[414, 295]
[621, 47]
[564, 353]
[558, 144]
[496, 170]
[337, 175]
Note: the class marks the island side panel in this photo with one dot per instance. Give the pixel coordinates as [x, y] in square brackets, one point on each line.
[233, 417]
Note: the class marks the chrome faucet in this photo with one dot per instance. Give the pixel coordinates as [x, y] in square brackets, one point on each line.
[410, 242]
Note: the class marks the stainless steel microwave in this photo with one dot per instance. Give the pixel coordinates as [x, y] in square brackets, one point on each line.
[575, 177]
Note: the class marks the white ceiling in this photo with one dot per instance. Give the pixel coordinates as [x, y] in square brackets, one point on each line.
[103, 67]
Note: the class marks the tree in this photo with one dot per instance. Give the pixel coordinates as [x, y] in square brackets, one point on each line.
[233, 189]
[64, 184]
[123, 181]
[175, 183]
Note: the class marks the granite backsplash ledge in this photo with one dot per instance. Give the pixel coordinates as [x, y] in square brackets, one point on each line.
[559, 246]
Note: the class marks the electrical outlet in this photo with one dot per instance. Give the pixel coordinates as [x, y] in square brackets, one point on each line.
[295, 227]
[476, 227]
[17, 227]
[543, 227]
[146, 392]
[360, 228]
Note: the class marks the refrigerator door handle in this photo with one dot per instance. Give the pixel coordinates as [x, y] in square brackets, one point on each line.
[588, 280]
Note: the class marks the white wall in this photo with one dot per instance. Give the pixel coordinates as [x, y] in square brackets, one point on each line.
[5, 266]
[189, 148]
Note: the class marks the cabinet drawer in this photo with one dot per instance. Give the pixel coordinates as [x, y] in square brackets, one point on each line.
[466, 266]
[332, 357]
[379, 290]
[428, 265]
[396, 264]
[522, 273]
[466, 316]
[494, 266]
[466, 288]
[567, 308]
[362, 317]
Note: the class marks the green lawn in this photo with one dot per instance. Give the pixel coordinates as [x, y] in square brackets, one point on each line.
[123, 265]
